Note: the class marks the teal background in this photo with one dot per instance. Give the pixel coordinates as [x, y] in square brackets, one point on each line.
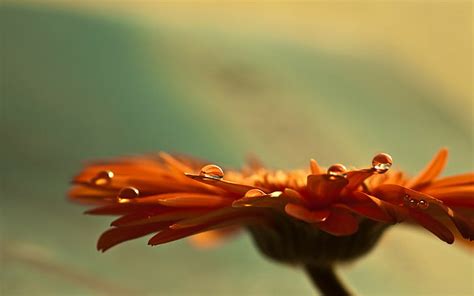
[78, 85]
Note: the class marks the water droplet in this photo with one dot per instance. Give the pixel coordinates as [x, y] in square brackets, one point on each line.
[103, 178]
[128, 193]
[413, 203]
[254, 193]
[212, 171]
[337, 170]
[423, 204]
[276, 194]
[406, 198]
[382, 162]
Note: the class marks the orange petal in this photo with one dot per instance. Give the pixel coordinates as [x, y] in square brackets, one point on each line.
[431, 171]
[458, 180]
[276, 200]
[436, 209]
[117, 209]
[272, 200]
[460, 196]
[362, 204]
[195, 200]
[397, 213]
[325, 189]
[216, 216]
[118, 235]
[433, 225]
[304, 214]
[230, 187]
[315, 168]
[173, 234]
[213, 238]
[167, 214]
[356, 178]
[340, 222]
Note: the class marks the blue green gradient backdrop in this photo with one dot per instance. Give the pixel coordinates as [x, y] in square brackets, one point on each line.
[79, 86]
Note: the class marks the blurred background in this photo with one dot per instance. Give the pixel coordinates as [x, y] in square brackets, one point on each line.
[336, 81]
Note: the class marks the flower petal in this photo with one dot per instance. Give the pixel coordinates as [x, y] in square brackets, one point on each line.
[302, 213]
[356, 178]
[230, 187]
[159, 215]
[213, 238]
[324, 189]
[435, 209]
[362, 204]
[458, 180]
[273, 200]
[461, 196]
[315, 168]
[172, 234]
[340, 222]
[433, 225]
[216, 216]
[194, 200]
[117, 209]
[431, 171]
[115, 236]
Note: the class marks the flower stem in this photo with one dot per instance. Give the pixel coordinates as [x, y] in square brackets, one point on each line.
[326, 280]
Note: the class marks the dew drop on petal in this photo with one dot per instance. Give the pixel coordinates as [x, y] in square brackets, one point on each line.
[276, 194]
[212, 171]
[382, 162]
[337, 170]
[254, 193]
[103, 178]
[413, 203]
[127, 193]
[423, 204]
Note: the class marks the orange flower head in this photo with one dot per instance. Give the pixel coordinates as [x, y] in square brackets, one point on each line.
[317, 216]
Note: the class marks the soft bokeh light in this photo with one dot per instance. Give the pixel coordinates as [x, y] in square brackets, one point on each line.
[339, 82]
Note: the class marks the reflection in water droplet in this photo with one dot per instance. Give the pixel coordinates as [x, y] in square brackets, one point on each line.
[413, 203]
[128, 193]
[103, 178]
[276, 193]
[254, 193]
[382, 162]
[337, 170]
[212, 171]
[423, 204]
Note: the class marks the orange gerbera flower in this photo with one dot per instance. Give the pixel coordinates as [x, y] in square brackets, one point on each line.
[315, 218]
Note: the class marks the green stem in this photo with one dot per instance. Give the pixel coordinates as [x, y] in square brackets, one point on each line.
[326, 281]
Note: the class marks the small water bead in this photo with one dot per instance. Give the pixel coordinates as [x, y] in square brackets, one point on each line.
[337, 170]
[212, 171]
[128, 193]
[382, 162]
[103, 178]
[254, 193]
[423, 204]
[413, 203]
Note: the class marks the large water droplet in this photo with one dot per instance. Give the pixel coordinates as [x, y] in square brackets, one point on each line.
[212, 171]
[103, 178]
[382, 162]
[337, 170]
[254, 193]
[423, 204]
[128, 193]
